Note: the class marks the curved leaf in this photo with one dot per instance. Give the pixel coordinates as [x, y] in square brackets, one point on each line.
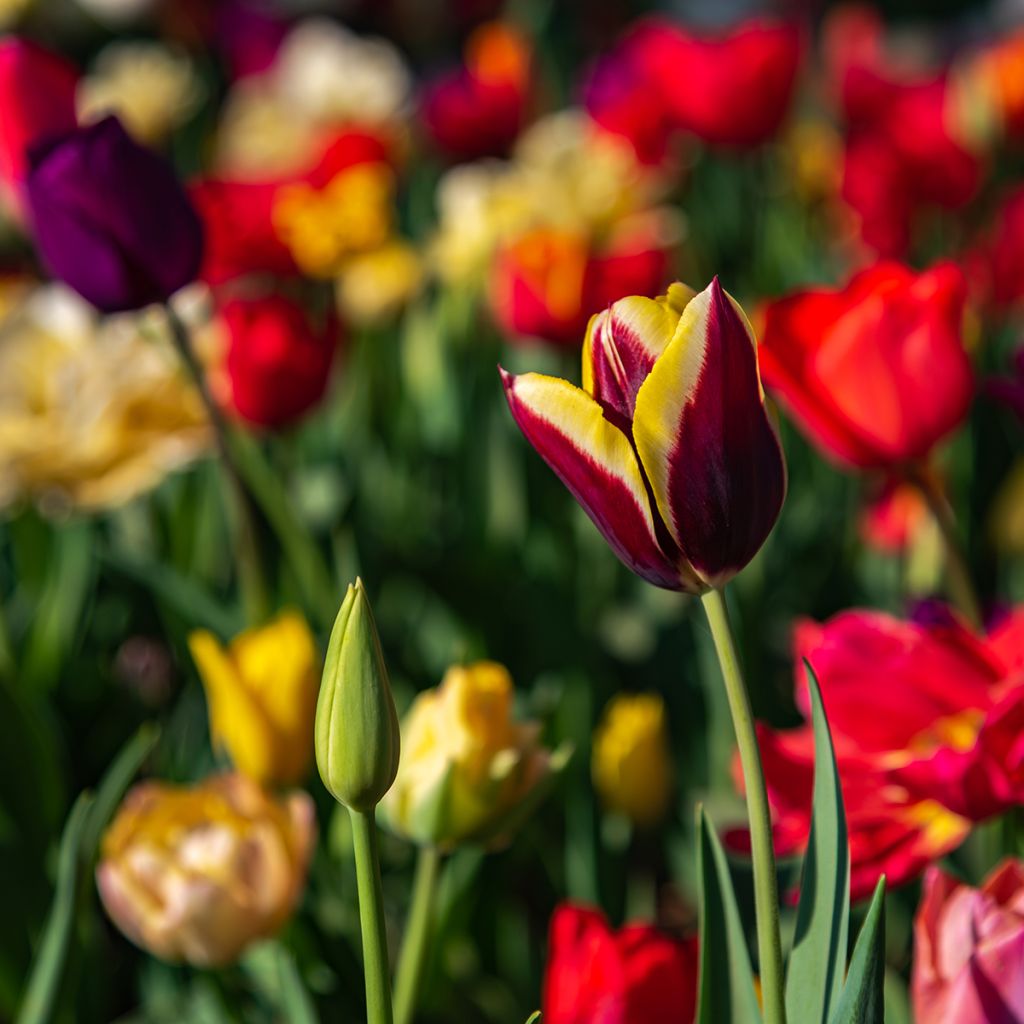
[726, 985]
[863, 999]
[818, 961]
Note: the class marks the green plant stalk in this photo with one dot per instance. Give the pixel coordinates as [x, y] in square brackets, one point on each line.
[371, 919]
[766, 893]
[413, 956]
[958, 572]
[250, 566]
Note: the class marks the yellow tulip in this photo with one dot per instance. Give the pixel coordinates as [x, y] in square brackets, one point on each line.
[197, 873]
[631, 764]
[261, 692]
[468, 768]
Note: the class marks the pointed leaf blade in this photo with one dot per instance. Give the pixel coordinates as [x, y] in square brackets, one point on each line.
[818, 960]
[726, 986]
[863, 998]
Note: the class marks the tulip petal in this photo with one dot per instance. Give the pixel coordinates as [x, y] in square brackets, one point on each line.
[706, 441]
[624, 342]
[596, 461]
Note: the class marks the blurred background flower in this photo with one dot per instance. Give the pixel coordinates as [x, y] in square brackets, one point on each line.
[92, 413]
[968, 962]
[261, 692]
[631, 762]
[468, 769]
[196, 874]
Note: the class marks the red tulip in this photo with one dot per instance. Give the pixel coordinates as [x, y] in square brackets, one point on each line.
[900, 154]
[875, 372]
[668, 446]
[548, 283]
[479, 109]
[729, 90]
[636, 975]
[623, 100]
[37, 102]
[996, 264]
[239, 216]
[278, 360]
[927, 721]
[893, 516]
[969, 949]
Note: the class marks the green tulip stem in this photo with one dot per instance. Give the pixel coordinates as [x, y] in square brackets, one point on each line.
[250, 567]
[958, 573]
[413, 957]
[371, 918]
[766, 893]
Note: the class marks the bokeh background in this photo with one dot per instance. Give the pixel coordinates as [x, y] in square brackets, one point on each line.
[409, 470]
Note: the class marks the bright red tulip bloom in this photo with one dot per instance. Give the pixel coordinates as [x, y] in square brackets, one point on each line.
[900, 155]
[278, 359]
[110, 218]
[969, 949]
[668, 445]
[927, 720]
[636, 975]
[479, 109]
[548, 283]
[37, 102]
[730, 90]
[621, 98]
[874, 372]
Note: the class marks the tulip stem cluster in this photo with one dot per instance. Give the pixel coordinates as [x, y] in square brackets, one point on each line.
[253, 584]
[371, 918]
[958, 573]
[766, 895]
[413, 957]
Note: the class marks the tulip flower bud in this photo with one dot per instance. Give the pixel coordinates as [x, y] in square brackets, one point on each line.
[356, 732]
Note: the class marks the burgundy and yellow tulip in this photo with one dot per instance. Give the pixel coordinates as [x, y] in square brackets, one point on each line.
[668, 445]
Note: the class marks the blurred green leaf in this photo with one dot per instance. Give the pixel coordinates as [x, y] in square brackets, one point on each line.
[818, 961]
[115, 782]
[183, 596]
[44, 981]
[863, 998]
[274, 972]
[69, 580]
[726, 985]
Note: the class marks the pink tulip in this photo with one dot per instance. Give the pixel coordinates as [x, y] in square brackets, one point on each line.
[969, 949]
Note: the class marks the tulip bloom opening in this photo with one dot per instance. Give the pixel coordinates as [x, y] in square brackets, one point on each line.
[668, 446]
[875, 372]
[946, 753]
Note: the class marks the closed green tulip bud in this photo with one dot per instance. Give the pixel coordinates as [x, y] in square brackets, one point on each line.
[356, 734]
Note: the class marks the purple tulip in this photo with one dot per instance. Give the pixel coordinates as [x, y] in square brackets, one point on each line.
[111, 219]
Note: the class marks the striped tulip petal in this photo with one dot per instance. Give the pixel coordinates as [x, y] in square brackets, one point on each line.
[597, 463]
[623, 343]
[706, 442]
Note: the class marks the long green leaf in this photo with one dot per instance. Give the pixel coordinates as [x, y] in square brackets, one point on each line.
[726, 989]
[818, 961]
[863, 998]
[275, 973]
[44, 981]
[117, 778]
